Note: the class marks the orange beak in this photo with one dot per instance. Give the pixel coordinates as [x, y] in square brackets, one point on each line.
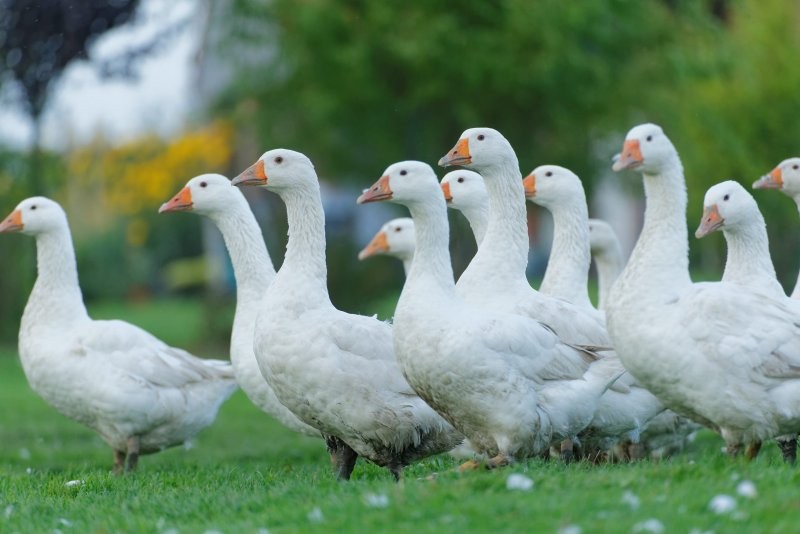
[529, 183]
[180, 202]
[458, 156]
[12, 223]
[378, 245]
[448, 197]
[710, 221]
[631, 156]
[379, 191]
[773, 180]
[253, 175]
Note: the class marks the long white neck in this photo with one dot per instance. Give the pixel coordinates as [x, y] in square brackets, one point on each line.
[659, 263]
[304, 267]
[252, 265]
[478, 219]
[56, 297]
[749, 261]
[408, 261]
[431, 270]
[503, 251]
[567, 270]
[609, 264]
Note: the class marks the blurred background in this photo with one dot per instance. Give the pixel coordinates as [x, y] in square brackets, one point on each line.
[110, 106]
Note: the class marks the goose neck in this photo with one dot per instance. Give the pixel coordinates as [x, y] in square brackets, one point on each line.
[304, 264]
[56, 296]
[478, 219]
[252, 265]
[748, 259]
[567, 270]
[431, 263]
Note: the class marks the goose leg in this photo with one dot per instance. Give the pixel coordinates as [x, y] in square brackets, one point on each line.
[788, 448]
[133, 453]
[752, 450]
[397, 471]
[469, 465]
[347, 461]
[500, 460]
[119, 461]
[567, 450]
[733, 449]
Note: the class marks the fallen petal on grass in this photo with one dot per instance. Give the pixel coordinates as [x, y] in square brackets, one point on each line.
[746, 488]
[516, 481]
[652, 525]
[722, 504]
[376, 500]
[631, 500]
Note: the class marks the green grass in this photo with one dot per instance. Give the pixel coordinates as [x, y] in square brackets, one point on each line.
[247, 473]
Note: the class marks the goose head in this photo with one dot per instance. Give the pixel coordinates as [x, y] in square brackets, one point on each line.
[786, 177]
[407, 182]
[395, 238]
[550, 185]
[279, 170]
[464, 190]
[601, 236]
[34, 216]
[205, 194]
[646, 149]
[727, 206]
[478, 149]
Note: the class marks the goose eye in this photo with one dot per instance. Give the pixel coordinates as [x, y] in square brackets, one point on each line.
[398, 229]
[649, 138]
[33, 207]
[279, 159]
[460, 179]
[549, 173]
[796, 166]
[481, 137]
[403, 172]
[203, 184]
[726, 197]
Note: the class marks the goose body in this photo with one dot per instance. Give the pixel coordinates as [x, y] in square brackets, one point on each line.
[212, 196]
[722, 354]
[334, 370]
[139, 394]
[480, 369]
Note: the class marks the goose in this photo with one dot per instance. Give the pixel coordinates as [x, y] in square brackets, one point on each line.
[608, 259]
[480, 369]
[396, 239]
[785, 177]
[212, 196]
[729, 208]
[335, 371]
[560, 192]
[625, 410]
[465, 191]
[495, 278]
[725, 355]
[139, 394]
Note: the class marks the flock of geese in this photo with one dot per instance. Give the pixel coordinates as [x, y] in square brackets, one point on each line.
[485, 367]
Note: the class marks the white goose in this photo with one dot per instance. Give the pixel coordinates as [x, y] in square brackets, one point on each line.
[480, 369]
[730, 208]
[723, 354]
[396, 239]
[785, 177]
[336, 371]
[625, 410]
[495, 278]
[212, 195]
[465, 191]
[560, 192]
[139, 394]
[608, 259]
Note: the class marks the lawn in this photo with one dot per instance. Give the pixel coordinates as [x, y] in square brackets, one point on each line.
[247, 474]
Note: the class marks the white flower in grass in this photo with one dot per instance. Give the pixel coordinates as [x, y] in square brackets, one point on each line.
[315, 515]
[8, 511]
[66, 522]
[631, 500]
[376, 500]
[698, 531]
[651, 525]
[516, 481]
[570, 529]
[746, 488]
[73, 483]
[24, 453]
[722, 504]
[262, 530]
